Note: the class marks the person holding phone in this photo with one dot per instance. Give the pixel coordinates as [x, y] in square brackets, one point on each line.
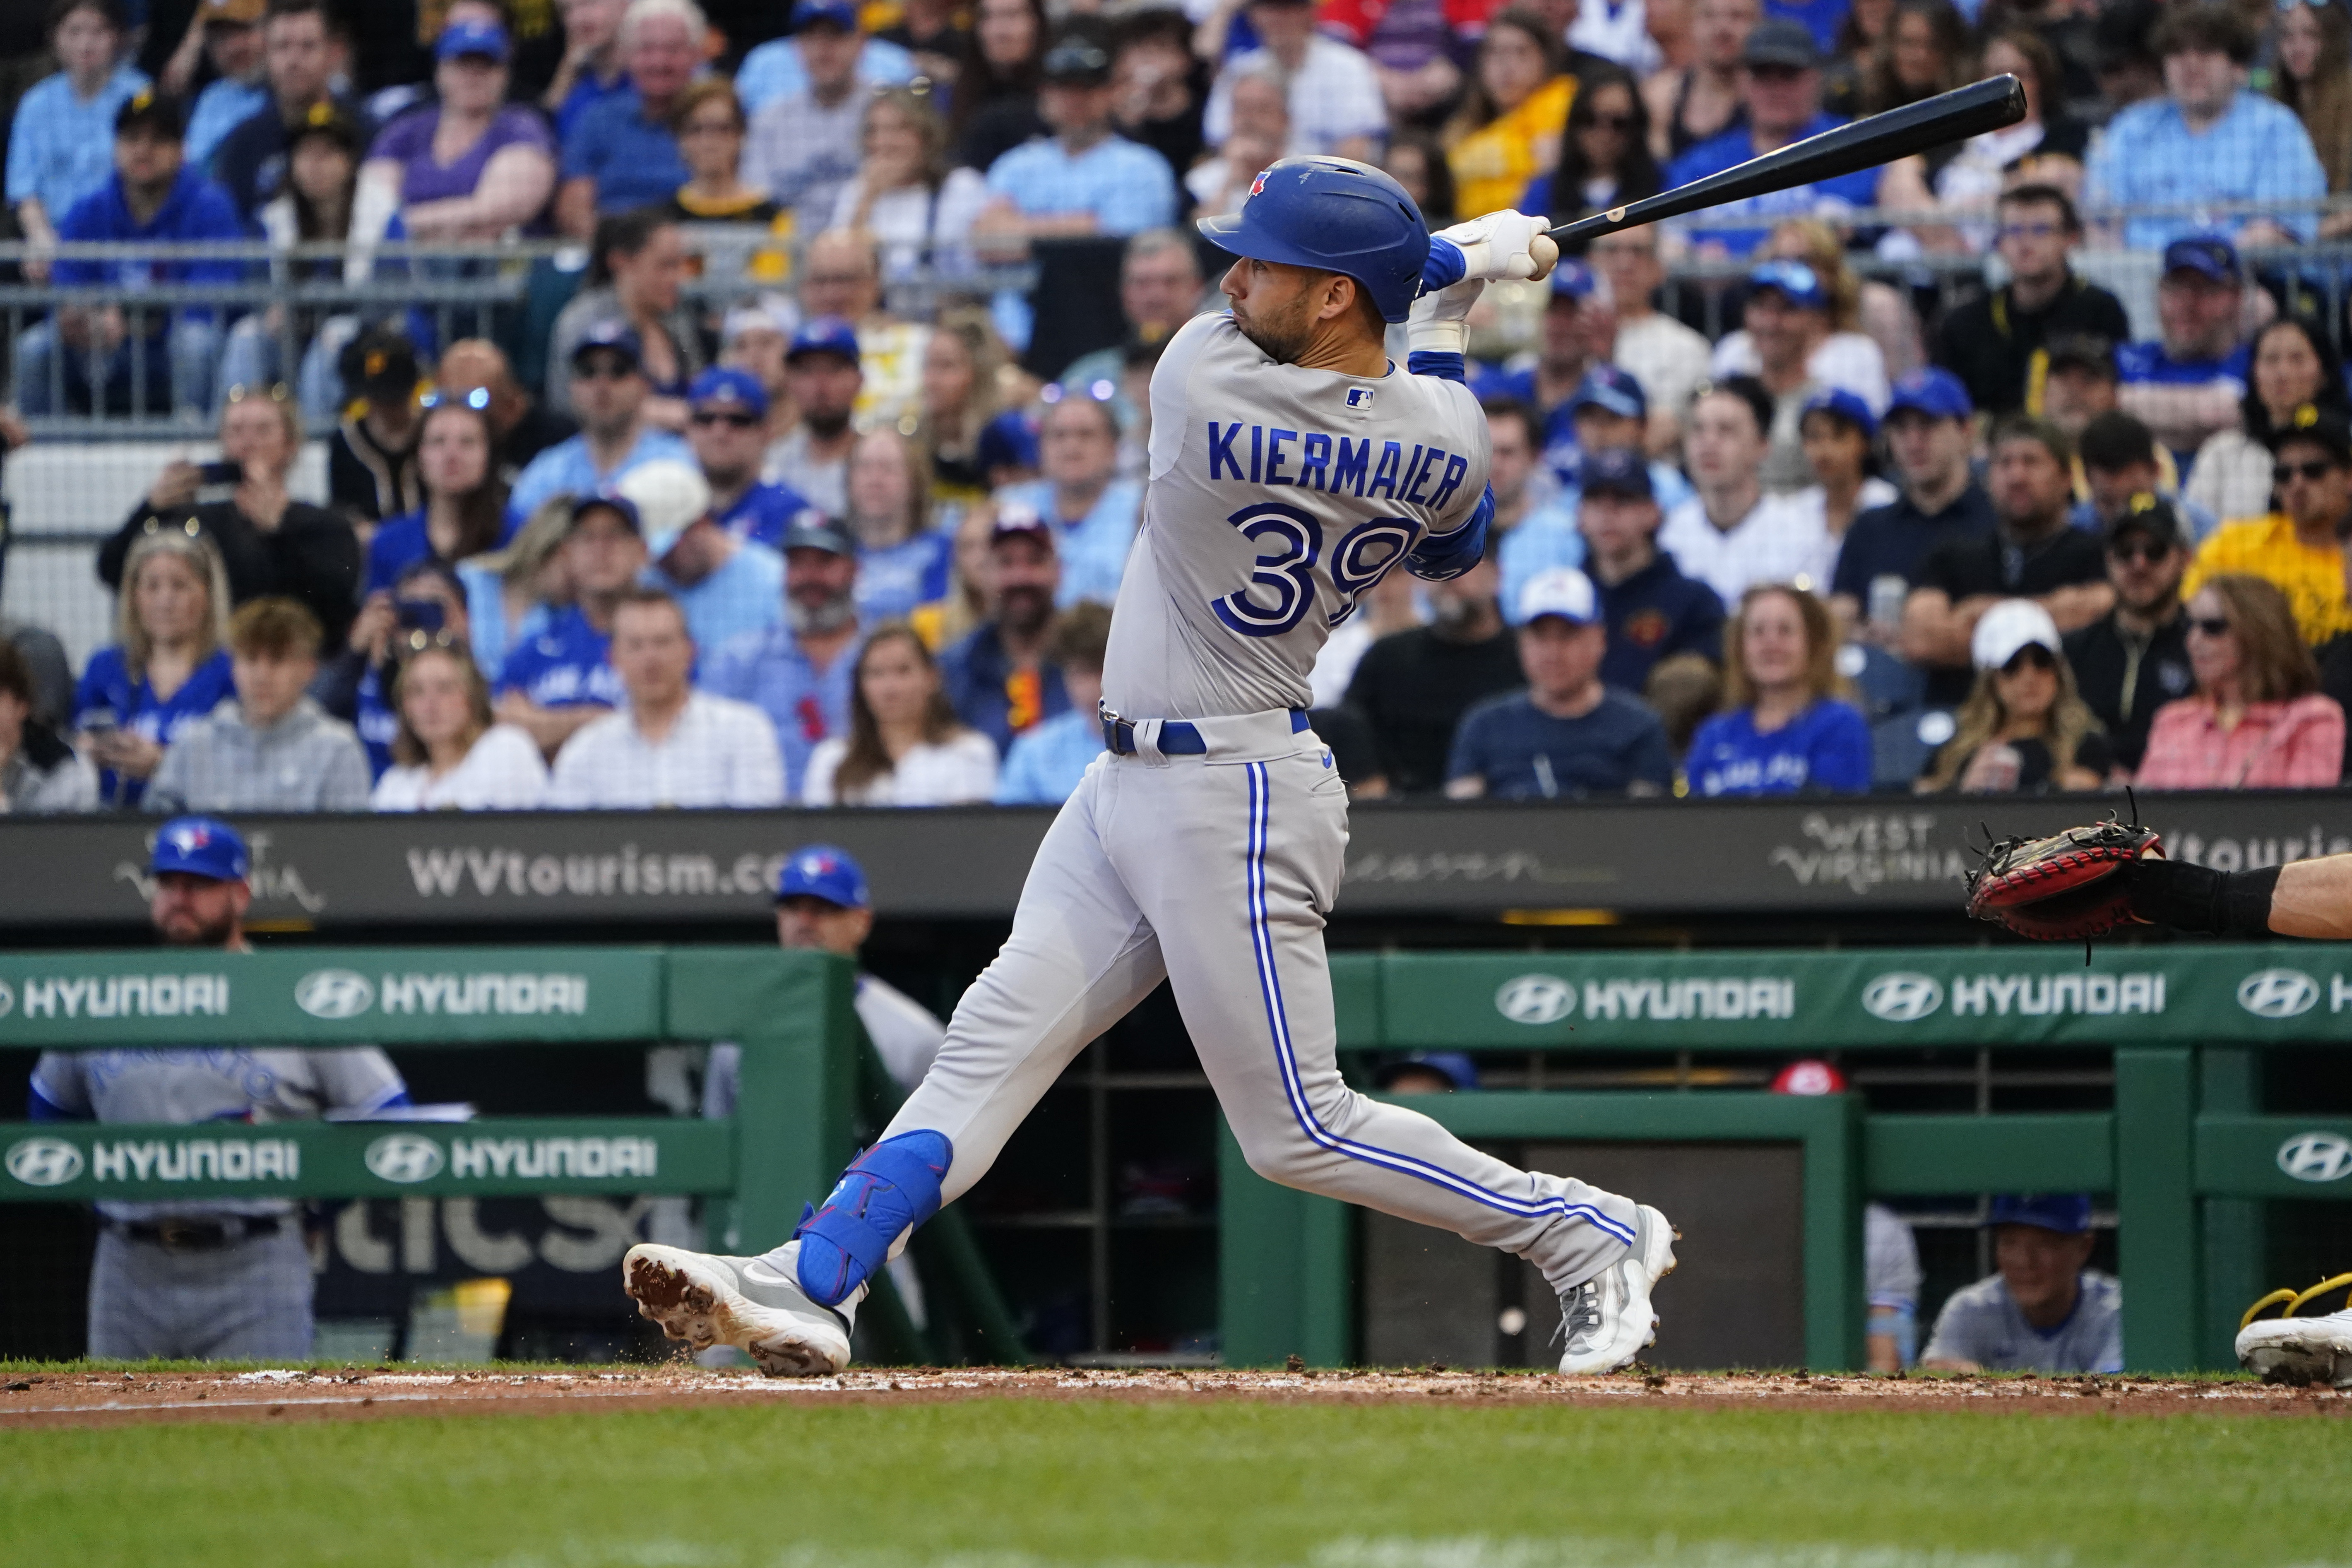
[424, 608]
[168, 665]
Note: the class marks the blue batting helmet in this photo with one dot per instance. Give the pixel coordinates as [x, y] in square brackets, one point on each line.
[1336, 215]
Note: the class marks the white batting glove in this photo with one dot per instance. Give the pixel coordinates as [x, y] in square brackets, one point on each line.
[1504, 245]
[1439, 321]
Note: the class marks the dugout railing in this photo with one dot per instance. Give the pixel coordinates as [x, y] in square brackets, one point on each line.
[2187, 1152]
[809, 1082]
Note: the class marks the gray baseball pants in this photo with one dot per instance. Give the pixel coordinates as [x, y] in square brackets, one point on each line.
[1216, 873]
[250, 1300]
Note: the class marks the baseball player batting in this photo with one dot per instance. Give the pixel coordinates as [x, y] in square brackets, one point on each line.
[1292, 467]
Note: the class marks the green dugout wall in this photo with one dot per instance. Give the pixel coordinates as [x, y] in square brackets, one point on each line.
[2182, 1151]
[805, 1072]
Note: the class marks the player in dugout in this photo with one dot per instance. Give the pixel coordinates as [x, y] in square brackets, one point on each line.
[217, 1280]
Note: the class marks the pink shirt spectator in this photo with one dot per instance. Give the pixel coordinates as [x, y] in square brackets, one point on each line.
[2277, 745]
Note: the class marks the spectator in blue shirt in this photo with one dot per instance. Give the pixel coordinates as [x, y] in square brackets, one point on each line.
[168, 666]
[86, 350]
[559, 680]
[1094, 512]
[1044, 767]
[1930, 429]
[1651, 610]
[591, 72]
[1785, 727]
[232, 33]
[609, 391]
[1084, 179]
[2188, 385]
[59, 143]
[775, 70]
[903, 563]
[727, 423]
[622, 153]
[801, 673]
[465, 509]
[1781, 89]
[2209, 139]
[998, 680]
[1568, 734]
[726, 588]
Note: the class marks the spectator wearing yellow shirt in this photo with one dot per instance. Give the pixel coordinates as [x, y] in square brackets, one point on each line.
[1508, 128]
[2300, 547]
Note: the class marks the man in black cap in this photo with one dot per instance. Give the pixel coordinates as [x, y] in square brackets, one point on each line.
[2079, 383]
[1084, 179]
[1780, 86]
[82, 360]
[998, 678]
[1993, 343]
[1651, 610]
[609, 390]
[2134, 659]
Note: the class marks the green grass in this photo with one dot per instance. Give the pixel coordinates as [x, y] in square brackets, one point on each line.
[1014, 1483]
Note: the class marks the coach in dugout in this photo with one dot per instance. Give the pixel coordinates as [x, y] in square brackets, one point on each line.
[208, 1280]
[2044, 1311]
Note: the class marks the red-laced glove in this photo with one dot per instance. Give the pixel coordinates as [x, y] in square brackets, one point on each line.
[2069, 887]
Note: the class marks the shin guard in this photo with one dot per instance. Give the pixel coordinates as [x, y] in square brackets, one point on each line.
[890, 1189]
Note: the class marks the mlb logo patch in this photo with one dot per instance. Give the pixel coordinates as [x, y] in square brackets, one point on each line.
[1359, 397]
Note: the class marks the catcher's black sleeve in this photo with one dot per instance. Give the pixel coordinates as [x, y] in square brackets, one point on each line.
[2198, 899]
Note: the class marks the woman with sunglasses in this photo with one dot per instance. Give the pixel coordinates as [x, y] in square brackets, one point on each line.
[2257, 719]
[2024, 728]
[2293, 365]
[2313, 77]
[1605, 156]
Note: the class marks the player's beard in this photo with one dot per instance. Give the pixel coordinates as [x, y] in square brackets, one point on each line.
[1284, 333]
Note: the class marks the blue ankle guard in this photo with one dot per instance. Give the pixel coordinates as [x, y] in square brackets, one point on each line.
[890, 1189]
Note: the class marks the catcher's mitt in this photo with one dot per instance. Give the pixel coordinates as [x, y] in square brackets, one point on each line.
[2069, 887]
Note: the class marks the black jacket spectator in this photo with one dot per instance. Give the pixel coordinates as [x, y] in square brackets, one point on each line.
[1896, 539]
[1990, 565]
[2124, 677]
[1990, 344]
[1413, 687]
[1653, 614]
[311, 555]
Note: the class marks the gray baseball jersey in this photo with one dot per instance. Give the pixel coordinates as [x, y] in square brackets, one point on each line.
[222, 1084]
[1277, 495]
[1982, 1324]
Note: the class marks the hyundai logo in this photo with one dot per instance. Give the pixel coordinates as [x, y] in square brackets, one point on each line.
[7, 999]
[2277, 993]
[44, 1162]
[333, 993]
[2306, 1156]
[404, 1157]
[1536, 999]
[1902, 998]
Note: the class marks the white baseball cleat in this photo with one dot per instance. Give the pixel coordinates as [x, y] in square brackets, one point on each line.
[2301, 1351]
[751, 1304]
[1608, 1319]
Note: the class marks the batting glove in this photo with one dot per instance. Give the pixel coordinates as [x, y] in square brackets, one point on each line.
[1502, 245]
[1438, 323]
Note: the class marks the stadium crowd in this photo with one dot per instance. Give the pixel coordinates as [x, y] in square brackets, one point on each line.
[811, 544]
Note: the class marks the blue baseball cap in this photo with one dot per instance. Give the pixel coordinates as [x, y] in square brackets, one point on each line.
[838, 14]
[1455, 1067]
[1793, 281]
[1571, 279]
[1617, 471]
[2208, 256]
[611, 336]
[724, 387]
[812, 530]
[1934, 392]
[1613, 390]
[1006, 441]
[822, 871]
[485, 38]
[825, 335]
[1837, 402]
[609, 496]
[200, 846]
[2068, 1214]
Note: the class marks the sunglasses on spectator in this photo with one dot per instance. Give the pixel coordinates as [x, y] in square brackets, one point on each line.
[2282, 472]
[733, 421]
[602, 369]
[2212, 625]
[2145, 553]
[2028, 230]
[2032, 656]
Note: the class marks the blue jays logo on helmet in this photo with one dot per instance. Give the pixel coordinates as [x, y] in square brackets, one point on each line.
[1257, 186]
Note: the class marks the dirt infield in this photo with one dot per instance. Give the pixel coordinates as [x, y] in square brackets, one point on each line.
[40, 1400]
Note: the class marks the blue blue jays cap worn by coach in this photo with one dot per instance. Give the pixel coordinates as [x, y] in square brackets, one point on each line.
[1935, 391]
[1838, 402]
[724, 387]
[486, 40]
[200, 846]
[2068, 1214]
[825, 335]
[1336, 215]
[1613, 390]
[822, 871]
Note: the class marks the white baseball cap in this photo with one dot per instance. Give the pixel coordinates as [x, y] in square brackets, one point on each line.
[671, 497]
[2009, 626]
[1561, 591]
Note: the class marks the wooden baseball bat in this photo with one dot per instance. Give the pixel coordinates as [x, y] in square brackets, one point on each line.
[1947, 117]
